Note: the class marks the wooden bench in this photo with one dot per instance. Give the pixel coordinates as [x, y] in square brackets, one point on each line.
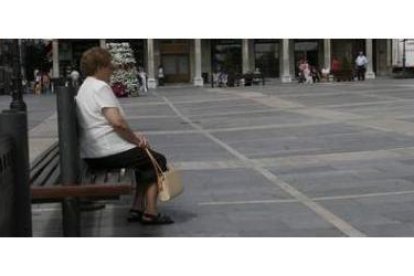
[45, 180]
[50, 183]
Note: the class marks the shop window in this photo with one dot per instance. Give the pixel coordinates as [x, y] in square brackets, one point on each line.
[266, 54]
[226, 55]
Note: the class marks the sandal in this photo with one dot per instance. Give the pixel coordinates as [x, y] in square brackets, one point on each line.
[148, 219]
[135, 215]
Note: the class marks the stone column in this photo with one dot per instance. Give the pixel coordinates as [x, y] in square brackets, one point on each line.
[285, 76]
[198, 80]
[102, 43]
[369, 74]
[389, 56]
[245, 56]
[327, 54]
[150, 64]
[55, 58]
[396, 58]
[252, 61]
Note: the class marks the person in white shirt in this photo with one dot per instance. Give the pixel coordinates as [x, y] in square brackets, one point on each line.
[361, 62]
[143, 76]
[160, 75]
[74, 76]
[106, 141]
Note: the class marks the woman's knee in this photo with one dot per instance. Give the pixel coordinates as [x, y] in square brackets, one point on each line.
[162, 161]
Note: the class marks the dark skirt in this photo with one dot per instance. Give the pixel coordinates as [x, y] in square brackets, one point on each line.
[135, 158]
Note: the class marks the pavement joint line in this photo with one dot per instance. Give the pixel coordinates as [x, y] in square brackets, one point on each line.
[201, 108]
[205, 101]
[367, 93]
[214, 130]
[324, 213]
[133, 104]
[363, 103]
[151, 117]
[275, 126]
[387, 125]
[325, 198]
[219, 114]
[166, 132]
[327, 158]
[247, 202]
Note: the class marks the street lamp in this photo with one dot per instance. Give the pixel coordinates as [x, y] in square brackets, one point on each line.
[17, 93]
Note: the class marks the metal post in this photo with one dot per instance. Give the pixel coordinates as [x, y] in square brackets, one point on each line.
[14, 124]
[17, 102]
[69, 157]
[403, 57]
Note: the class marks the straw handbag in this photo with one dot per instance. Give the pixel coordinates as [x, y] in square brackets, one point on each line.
[170, 182]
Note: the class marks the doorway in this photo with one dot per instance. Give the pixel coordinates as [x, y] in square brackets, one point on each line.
[306, 49]
[176, 68]
[175, 59]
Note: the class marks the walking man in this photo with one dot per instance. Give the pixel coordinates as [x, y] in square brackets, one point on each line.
[361, 62]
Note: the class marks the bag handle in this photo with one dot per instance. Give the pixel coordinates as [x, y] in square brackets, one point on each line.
[158, 171]
[154, 161]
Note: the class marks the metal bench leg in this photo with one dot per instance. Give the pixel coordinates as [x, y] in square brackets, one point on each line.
[71, 217]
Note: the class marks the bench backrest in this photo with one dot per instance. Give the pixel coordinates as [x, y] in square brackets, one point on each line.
[68, 135]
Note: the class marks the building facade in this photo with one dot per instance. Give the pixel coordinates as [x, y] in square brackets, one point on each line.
[6, 70]
[194, 60]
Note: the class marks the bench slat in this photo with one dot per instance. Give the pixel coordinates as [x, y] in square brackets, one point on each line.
[47, 171]
[54, 148]
[84, 190]
[54, 178]
[43, 164]
[46, 185]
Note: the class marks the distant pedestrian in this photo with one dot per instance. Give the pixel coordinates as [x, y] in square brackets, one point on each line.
[301, 67]
[361, 62]
[74, 76]
[160, 75]
[37, 82]
[316, 75]
[307, 72]
[143, 80]
[35, 74]
[256, 76]
[335, 66]
[45, 83]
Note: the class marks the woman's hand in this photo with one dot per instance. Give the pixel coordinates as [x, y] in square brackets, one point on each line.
[142, 141]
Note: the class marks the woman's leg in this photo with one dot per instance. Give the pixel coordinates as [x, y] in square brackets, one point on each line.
[151, 214]
[139, 198]
[145, 198]
[146, 194]
[151, 196]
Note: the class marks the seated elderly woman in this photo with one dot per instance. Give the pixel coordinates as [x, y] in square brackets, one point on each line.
[106, 141]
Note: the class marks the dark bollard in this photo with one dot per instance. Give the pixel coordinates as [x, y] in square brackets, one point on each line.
[57, 82]
[69, 157]
[14, 124]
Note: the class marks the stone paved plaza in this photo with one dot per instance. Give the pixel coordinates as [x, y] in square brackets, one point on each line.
[321, 160]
